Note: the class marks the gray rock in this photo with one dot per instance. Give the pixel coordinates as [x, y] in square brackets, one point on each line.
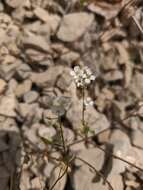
[68, 135]
[113, 76]
[74, 25]
[137, 138]
[64, 80]
[36, 42]
[23, 88]
[46, 132]
[30, 96]
[54, 176]
[83, 179]
[8, 105]
[14, 3]
[9, 124]
[2, 85]
[47, 78]
[116, 182]
[42, 14]
[48, 169]
[30, 112]
[69, 57]
[37, 183]
[118, 109]
[4, 37]
[1, 7]
[49, 117]
[92, 155]
[53, 20]
[39, 58]
[8, 70]
[23, 71]
[32, 133]
[109, 12]
[136, 86]
[121, 146]
[12, 84]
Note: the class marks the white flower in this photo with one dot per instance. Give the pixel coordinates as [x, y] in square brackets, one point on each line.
[88, 71]
[87, 81]
[92, 77]
[88, 102]
[76, 68]
[82, 76]
[72, 73]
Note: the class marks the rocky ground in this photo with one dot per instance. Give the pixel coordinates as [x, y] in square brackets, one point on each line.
[40, 42]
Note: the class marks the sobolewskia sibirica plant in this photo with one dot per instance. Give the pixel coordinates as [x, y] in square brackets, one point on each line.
[83, 77]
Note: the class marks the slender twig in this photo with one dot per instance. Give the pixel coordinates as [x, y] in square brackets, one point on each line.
[11, 182]
[98, 172]
[90, 137]
[62, 135]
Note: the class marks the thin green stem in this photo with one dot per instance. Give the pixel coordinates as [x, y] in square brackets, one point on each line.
[88, 138]
[83, 106]
[11, 182]
[62, 135]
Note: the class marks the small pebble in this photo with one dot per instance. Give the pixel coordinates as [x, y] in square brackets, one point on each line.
[30, 96]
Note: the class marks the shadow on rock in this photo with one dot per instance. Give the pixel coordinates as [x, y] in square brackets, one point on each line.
[10, 156]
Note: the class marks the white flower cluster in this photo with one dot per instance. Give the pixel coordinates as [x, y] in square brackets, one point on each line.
[82, 77]
[88, 102]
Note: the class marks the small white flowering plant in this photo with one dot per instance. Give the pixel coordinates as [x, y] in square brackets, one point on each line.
[83, 77]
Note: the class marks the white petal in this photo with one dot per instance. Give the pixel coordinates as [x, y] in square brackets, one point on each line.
[87, 81]
[88, 99]
[84, 76]
[91, 103]
[75, 77]
[76, 68]
[79, 84]
[93, 77]
[72, 73]
[88, 71]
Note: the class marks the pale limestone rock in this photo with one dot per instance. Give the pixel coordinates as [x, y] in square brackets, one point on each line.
[74, 25]
[8, 105]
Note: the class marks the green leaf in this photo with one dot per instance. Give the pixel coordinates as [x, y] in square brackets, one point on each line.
[82, 2]
[46, 141]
